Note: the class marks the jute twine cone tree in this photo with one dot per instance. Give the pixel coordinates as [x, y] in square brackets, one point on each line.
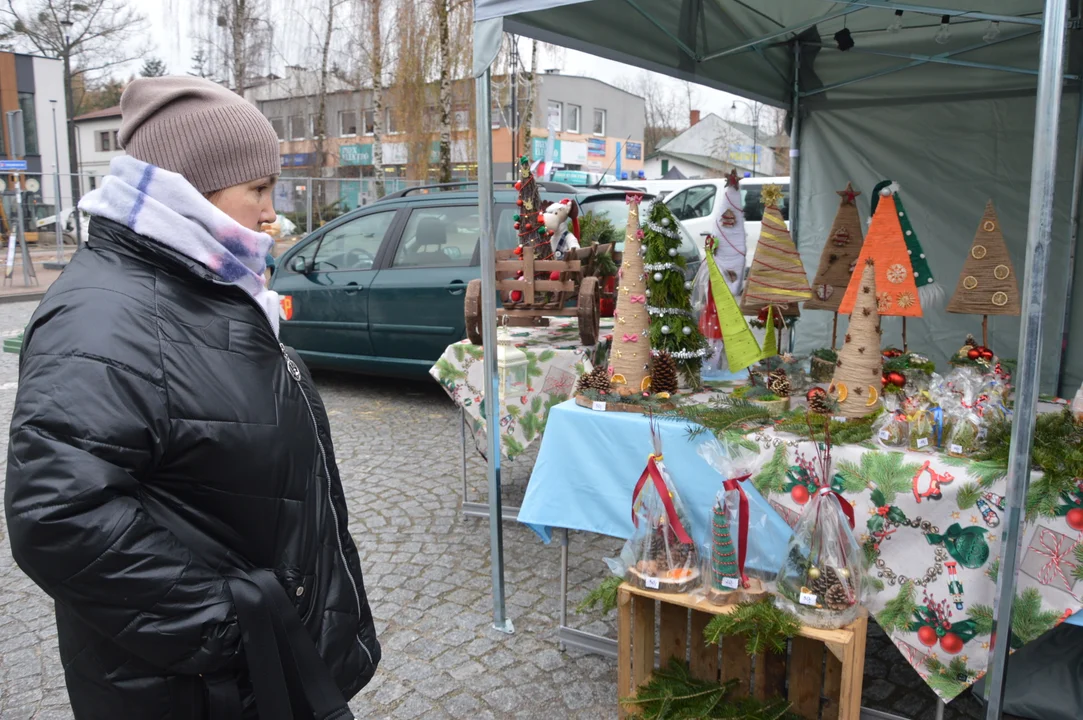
[838, 259]
[856, 383]
[777, 278]
[897, 292]
[631, 354]
[988, 285]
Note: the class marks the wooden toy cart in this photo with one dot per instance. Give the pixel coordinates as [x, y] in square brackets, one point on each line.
[821, 675]
[542, 297]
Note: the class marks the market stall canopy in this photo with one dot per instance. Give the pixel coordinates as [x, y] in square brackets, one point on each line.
[742, 47]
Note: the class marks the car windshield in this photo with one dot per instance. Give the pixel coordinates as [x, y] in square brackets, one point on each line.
[750, 197]
[615, 210]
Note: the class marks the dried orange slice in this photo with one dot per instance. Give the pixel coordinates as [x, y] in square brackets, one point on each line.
[874, 395]
[842, 391]
[645, 385]
[617, 379]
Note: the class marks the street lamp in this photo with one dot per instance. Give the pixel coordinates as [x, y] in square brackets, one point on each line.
[755, 131]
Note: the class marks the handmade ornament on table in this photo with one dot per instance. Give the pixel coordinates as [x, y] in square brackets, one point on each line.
[896, 290]
[673, 326]
[838, 259]
[987, 285]
[557, 218]
[822, 579]
[930, 291]
[661, 554]
[729, 234]
[728, 544]
[892, 429]
[631, 354]
[777, 277]
[856, 382]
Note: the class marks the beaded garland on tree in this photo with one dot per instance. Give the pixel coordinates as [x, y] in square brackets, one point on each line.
[673, 327]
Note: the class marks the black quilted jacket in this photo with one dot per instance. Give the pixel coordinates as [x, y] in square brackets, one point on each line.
[163, 438]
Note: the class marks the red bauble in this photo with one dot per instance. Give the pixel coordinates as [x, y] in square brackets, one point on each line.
[516, 226]
[986, 354]
[815, 392]
[519, 202]
[973, 353]
[528, 227]
[896, 378]
[541, 217]
[951, 643]
[554, 276]
[799, 494]
[883, 380]
[927, 636]
[519, 250]
[1075, 518]
[519, 185]
[516, 295]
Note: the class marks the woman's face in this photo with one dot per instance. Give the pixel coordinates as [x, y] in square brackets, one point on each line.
[251, 204]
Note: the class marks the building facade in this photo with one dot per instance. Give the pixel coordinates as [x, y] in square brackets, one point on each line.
[590, 117]
[35, 85]
[711, 147]
[97, 143]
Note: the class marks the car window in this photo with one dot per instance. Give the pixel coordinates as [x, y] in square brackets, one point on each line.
[616, 210]
[676, 204]
[439, 237]
[353, 245]
[699, 202]
[753, 202]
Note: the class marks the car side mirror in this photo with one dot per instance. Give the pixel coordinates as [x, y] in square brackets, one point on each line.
[300, 265]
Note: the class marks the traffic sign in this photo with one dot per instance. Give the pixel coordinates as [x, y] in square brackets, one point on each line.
[12, 165]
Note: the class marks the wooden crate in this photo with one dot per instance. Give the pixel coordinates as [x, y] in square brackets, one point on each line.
[821, 676]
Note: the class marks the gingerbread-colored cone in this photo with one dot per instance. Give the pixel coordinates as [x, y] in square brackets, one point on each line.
[777, 276]
[839, 257]
[856, 383]
[987, 285]
[631, 353]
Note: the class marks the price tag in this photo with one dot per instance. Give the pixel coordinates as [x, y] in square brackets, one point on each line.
[838, 418]
[923, 443]
[598, 405]
[808, 599]
[957, 449]
[885, 435]
[651, 582]
[730, 583]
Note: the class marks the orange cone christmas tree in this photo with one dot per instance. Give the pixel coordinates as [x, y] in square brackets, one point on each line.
[988, 285]
[856, 383]
[839, 256]
[777, 278]
[897, 293]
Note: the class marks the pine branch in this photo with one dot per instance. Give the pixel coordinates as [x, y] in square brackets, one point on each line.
[968, 496]
[982, 615]
[772, 477]
[898, 611]
[603, 596]
[1029, 621]
[994, 569]
[766, 626]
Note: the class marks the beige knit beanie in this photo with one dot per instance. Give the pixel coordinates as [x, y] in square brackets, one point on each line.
[198, 129]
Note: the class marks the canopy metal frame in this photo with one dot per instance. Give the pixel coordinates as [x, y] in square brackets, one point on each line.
[1053, 23]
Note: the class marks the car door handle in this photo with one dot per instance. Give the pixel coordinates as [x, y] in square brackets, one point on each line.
[456, 287]
[352, 287]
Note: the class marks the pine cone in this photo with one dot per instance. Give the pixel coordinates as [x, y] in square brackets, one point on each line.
[836, 598]
[778, 383]
[596, 379]
[664, 374]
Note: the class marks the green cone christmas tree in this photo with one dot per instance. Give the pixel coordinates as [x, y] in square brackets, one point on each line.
[725, 574]
[673, 327]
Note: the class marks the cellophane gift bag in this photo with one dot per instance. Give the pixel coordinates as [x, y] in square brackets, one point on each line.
[821, 580]
[726, 547]
[892, 428]
[661, 554]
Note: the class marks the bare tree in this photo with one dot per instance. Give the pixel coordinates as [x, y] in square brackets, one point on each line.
[320, 124]
[91, 37]
[236, 36]
[662, 109]
[444, 36]
[531, 97]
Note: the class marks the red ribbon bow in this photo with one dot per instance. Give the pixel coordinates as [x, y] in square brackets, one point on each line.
[631, 338]
[847, 508]
[742, 522]
[655, 475]
[641, 299]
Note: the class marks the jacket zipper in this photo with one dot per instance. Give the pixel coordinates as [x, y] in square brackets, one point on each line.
[295, 373]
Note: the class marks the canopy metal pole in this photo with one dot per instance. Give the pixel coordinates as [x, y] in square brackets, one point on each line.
[1073, 240]
[488, 336]
[1039, 231]
[795, 156]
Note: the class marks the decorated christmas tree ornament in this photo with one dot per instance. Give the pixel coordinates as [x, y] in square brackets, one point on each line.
[859, 368]
[988, 284]
[669, 300]
[896, 292]
[777, 277]
[837, 261]
[631, 339]
[930, 291]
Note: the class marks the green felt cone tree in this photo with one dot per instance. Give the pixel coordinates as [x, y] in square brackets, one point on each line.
[723, 549]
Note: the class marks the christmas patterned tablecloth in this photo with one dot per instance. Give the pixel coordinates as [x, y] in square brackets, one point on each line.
[554, 362]
[933, 526]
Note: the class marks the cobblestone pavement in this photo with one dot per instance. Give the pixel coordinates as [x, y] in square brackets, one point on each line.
[427, 572]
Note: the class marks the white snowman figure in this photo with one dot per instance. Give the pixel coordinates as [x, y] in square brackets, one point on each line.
[557, 217]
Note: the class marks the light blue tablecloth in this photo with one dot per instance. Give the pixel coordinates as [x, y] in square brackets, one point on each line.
[589, 463]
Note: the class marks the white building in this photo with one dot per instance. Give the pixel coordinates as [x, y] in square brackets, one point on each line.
[96, 143]
[710, 148]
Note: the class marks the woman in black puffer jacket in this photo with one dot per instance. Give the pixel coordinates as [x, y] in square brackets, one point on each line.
[171, 481]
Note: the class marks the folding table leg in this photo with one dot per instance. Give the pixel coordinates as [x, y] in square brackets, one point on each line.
[563, 582]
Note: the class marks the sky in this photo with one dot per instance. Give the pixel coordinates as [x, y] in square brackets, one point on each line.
[171, 29]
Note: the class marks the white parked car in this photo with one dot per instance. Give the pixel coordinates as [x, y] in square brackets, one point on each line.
[700, 201]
